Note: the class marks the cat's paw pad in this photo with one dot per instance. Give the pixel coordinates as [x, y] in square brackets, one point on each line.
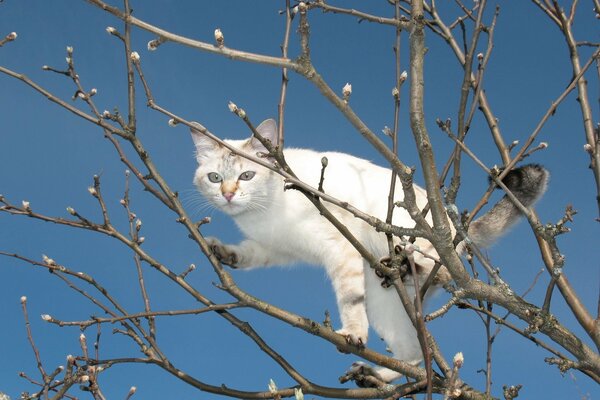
[363, 375]
[353, 338]
[223, 252]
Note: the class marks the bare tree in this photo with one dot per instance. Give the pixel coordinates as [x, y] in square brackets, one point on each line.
[476, 286]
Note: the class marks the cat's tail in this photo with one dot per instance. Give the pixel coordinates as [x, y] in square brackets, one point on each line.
[528, 183]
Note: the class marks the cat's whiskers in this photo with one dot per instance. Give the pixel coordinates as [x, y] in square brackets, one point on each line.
[261, 202]
[256, 206]
[196, 203]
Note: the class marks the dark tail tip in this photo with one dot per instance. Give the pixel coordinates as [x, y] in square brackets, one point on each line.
[527, 182]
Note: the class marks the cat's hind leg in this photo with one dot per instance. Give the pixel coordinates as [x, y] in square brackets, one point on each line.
[345, 269]
[363, 375]
[390, 320]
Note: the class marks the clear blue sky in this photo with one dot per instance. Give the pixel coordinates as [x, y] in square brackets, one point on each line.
[48, 157]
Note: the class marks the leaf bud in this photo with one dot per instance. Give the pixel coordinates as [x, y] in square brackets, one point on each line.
[403, 76]
[458, 360]
[135, 57]
[347, 91]
[219, 38]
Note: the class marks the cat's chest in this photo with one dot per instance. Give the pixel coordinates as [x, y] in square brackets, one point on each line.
[289, 231]
[273, 226]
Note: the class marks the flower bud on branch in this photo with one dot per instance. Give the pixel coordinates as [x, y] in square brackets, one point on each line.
[187, 271]
[453, 389]
[403, 77]
[346, 92]
[458, 360]
[272, 387]
[153, 44]
[135, 57]
[83, 343]
[131, 392]
[219, 38]
[236, 110]
[510, 392]
[48, 260]
[8, 38]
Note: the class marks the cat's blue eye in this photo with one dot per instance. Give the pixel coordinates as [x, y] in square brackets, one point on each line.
[246, 176]
[214, 177]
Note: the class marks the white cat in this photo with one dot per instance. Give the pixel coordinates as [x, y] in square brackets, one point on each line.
[283, 227]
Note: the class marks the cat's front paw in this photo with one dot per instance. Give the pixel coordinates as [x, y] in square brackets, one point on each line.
[363, 375]
[355, 337]
[224, 253]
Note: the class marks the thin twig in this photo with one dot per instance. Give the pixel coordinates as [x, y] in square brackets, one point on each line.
[394, 132]
[399, 21]
[147, 314]
[36, 352]
[171, 37]
[284, 75]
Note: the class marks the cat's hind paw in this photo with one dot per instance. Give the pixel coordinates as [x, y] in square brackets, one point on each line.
[352, 338]
[224, 253]
[363, 375]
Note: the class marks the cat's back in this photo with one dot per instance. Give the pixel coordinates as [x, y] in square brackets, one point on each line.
[307, 163]
[347, 177]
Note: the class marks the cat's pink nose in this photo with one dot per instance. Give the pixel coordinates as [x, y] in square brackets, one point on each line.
[228, 195]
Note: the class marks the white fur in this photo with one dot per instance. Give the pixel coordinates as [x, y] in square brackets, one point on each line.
[283, 227]
[286, 228]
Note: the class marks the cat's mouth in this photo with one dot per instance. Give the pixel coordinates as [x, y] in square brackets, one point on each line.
[232, 206]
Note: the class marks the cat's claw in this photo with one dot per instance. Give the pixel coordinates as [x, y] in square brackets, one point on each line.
[352, 338]
[222, 253]
[363, 375]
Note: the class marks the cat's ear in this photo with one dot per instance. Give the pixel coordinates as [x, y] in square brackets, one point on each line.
[204, 144]
[268, 130]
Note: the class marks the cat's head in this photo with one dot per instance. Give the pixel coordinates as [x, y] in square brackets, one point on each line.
[230, 182]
